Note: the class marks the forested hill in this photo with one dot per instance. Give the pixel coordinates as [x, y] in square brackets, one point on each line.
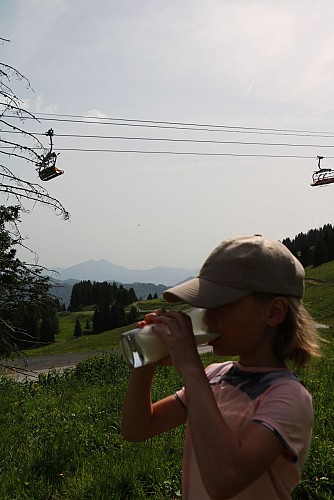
[314, 247]
[87, 293]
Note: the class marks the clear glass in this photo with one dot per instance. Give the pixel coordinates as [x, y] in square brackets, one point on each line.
[141, 346]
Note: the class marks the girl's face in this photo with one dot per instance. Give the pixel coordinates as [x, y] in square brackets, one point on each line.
[244, 331]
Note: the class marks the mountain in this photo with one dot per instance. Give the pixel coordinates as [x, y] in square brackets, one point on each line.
[103, 270]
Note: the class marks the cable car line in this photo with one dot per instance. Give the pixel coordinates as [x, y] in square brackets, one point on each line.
[195, 153]
[172, 127]
[165, 139]
[185, 123]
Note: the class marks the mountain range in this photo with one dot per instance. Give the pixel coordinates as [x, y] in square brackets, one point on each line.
[104, 270]
[144, 282]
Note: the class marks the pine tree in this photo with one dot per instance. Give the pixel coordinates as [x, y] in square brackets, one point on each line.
[88, 326]
[23, 290]
[49, 326]
[77, 328]
[320, 253]
[133, 315]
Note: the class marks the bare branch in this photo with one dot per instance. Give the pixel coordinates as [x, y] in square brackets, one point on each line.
[20, 188]
[18, 130]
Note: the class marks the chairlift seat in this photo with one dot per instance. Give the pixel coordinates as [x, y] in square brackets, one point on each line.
[323, 179]
[48, 173]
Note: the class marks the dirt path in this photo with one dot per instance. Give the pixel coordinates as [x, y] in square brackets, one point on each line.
[37, 363]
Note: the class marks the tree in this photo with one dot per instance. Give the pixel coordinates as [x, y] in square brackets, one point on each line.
[320, 253]
[133, 315]
[306, 255]
[88, 326]
[102, 317]
[86, 293]
[77, 328]
[23, 291]
[49, 325]
[117, 316]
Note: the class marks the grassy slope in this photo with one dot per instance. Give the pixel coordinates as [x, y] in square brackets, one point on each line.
[319, 300]
[65, 342]
[319, 294]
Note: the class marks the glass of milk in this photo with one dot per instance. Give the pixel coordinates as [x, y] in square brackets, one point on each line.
[142, 346]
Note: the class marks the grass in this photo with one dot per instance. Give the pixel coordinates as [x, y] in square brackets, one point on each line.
[61, 439]
[319, 292]
[60, 436]
[318, 473]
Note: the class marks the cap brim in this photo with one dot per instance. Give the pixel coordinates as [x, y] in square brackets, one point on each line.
[203, 293]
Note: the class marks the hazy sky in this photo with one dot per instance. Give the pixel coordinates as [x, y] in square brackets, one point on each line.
[235, 63]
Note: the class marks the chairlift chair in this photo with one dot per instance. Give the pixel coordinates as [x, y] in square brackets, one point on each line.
[322, 176]
[46, 168]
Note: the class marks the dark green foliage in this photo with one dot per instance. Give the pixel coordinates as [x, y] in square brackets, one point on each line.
[321, 253]
[102, 317]
[27, 313]
[111, 300]
[88, 326]
[133, 315]
[87, 293]
[313, 248]
[108, 317]
[77, 328]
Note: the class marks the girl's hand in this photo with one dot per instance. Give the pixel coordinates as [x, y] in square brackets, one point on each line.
[150, 319]
[178, 336]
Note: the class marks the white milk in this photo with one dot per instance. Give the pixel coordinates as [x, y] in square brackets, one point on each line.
[141, 346]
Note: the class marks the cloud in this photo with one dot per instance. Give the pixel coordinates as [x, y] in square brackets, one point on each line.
[38, 105]
[96, 113]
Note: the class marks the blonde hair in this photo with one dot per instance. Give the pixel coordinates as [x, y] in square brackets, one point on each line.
[297, 338]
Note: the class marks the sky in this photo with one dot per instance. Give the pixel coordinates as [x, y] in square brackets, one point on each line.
[235, 67]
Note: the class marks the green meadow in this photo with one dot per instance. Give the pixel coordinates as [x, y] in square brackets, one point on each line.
[60, 436]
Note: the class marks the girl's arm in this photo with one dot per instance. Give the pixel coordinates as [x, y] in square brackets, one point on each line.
[142, 419]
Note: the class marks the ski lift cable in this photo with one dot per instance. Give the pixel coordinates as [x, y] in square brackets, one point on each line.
[194, 153]
[184, 123]
[165, 139]
[193, 128]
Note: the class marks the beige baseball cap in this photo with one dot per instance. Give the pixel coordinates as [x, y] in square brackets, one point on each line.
[238, 267]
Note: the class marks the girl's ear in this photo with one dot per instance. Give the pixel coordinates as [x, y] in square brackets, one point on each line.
[277, 311]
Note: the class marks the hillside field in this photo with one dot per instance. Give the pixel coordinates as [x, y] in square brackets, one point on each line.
[65, 341]
[61, 435]
[319, 300]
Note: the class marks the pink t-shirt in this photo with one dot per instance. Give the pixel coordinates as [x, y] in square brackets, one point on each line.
[272, 397]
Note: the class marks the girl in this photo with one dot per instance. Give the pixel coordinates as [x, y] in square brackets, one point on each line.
[248, 421]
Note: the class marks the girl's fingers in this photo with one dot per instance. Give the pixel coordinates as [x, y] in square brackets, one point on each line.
[151, 317]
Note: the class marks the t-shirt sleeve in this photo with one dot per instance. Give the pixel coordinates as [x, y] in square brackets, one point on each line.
[286, 409]
[212, 371]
